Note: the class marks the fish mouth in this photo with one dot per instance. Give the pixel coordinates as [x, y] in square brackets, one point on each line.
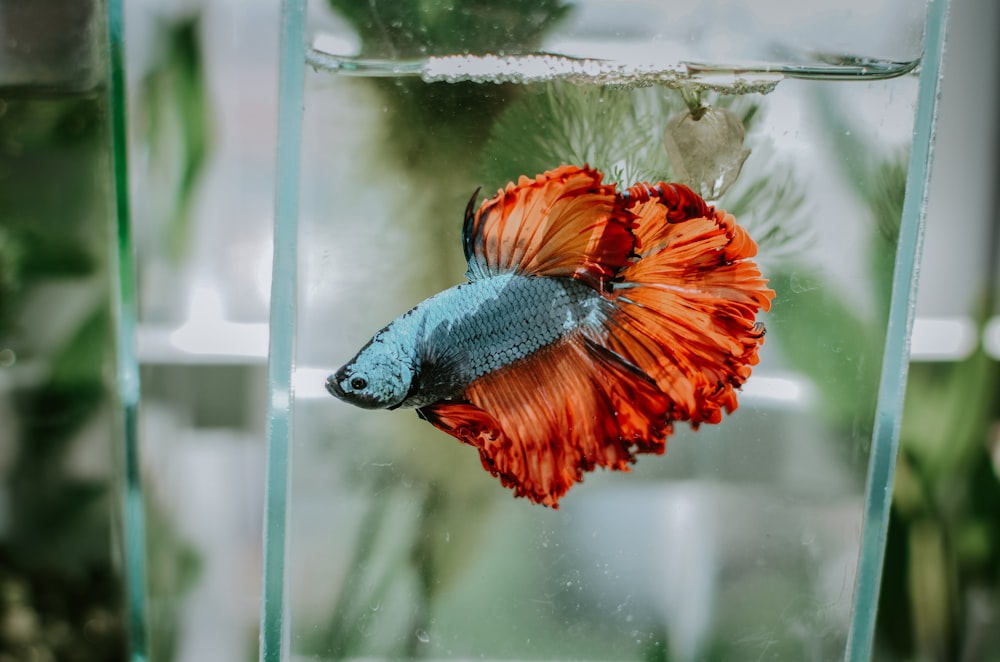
[333, 387]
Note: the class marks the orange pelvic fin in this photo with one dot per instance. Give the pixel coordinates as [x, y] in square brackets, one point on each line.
[544, 421]
[564, 222]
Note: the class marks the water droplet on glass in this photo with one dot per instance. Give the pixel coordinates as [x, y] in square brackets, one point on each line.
[7, 357]
[799, 284]
[422, 636]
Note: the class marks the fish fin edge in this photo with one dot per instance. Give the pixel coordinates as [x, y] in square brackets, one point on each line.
[543, 422]
[562, 223]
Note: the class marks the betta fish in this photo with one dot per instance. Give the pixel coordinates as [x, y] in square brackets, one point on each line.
[592, 321]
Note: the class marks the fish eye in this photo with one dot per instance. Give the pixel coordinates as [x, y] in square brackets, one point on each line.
[359, 383]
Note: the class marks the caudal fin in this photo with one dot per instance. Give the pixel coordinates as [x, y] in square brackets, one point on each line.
[687, 307]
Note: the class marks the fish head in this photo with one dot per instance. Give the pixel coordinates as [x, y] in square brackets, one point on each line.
[372, 380]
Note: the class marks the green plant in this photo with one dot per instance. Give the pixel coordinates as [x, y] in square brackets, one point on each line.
[58, 578]
[943, 544]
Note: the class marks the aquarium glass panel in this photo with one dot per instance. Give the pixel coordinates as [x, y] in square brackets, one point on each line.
[757, 534]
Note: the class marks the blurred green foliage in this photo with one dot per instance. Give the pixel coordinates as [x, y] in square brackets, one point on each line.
[940, 596]
[807, 308]
[941, 587]
[454, 119]
[60, 581]
[609, 128]
[604, 127]
[58, 576]
[176, 127]
[402, 29]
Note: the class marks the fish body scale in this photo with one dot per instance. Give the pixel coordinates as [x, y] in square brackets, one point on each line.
[488, 324]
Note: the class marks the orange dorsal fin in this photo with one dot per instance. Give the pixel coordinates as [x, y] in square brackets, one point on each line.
[686, 309]
[545, 420]
[564, 222]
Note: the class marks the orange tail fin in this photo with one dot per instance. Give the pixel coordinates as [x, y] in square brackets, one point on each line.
[687, 307]
[543, 422]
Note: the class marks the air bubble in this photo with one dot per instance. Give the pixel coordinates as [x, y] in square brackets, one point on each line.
[545, 68]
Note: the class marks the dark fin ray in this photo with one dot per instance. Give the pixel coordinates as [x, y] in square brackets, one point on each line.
[467, 233]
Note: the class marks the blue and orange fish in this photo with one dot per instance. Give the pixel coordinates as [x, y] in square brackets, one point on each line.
[593, 320]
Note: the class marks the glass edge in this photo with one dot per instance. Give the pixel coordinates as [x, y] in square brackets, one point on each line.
[273, 624]
[127, 363]
[892, 386]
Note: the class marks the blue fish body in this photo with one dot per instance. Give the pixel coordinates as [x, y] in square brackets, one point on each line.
[435, 350]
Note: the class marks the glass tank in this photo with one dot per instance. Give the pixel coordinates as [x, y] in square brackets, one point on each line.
[71, 514]
[757, 536]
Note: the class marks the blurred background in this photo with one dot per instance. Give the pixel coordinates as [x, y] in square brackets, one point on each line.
[201, 83]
